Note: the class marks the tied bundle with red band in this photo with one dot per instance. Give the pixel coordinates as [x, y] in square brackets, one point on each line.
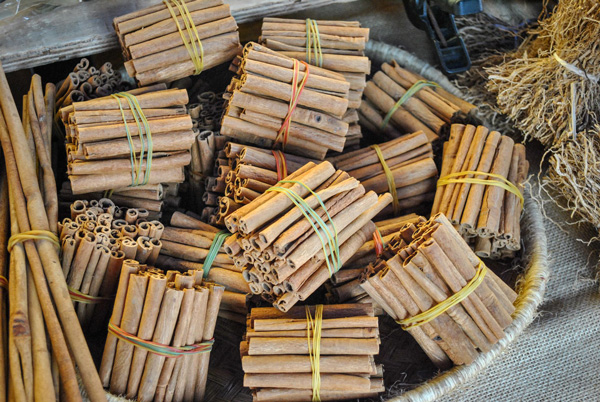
[280, 164]
[297, 87]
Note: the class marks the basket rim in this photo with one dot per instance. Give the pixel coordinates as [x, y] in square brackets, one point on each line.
[532, 284]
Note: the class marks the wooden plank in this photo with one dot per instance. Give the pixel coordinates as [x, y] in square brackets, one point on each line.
[84, 29]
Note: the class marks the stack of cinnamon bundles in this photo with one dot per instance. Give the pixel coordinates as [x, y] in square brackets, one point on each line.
[278, 359]
[442, 293]
[247, 172]
[334, 45]
[398, 101]
[486, 211]
[94, 242]
[345, 284]
[176, 39]
[410, 162]
[129, 139]
[292, 238]
[160, 334]
[277, 100]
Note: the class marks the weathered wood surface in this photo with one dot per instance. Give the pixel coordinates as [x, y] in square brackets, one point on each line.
[86, 28]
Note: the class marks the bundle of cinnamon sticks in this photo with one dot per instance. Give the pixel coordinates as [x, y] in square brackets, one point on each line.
[246, 172]
[88, 82]
[176, 39]
[119, 141]
[94, 242]
[484, 213]
[397, 102]
[334, 45]
[186, 245]
[4, 282]
[410, 162]
[293, 237]
[41, 309]
[277, 100]
[278, 360]
[345, 284]
[177, 313]
[426, 267]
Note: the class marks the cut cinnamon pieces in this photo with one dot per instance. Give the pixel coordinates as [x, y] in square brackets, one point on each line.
[280, 364]
[431, 265]
[485, 214]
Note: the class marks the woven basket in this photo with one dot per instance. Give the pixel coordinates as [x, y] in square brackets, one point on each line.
[398, 349]
[531, 284]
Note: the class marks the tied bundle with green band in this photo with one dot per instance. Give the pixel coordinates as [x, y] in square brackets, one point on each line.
[32, 235]
[501, 181]
[313, 42]
[194, 47]
[214, 250]
[440, 308]
[314, 348]
[145, 136]
[332, 259]
[160, 349]
[416, 87]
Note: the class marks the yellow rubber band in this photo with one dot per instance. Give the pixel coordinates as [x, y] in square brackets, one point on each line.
[390, 178]
[440, 308]
[3, 282]
[503, 183]
[32, 235]
[194, 48]
[313, 42]
[314, 348]
[416, 87]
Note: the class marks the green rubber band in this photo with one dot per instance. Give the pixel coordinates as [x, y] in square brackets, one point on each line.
[416, 87]
[332, 238]
[214, 250]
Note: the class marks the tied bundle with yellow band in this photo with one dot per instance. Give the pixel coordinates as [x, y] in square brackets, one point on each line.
[437, 289]
[176, 39]
[404, 167]
[32, 235]
[312, 353]
[304, 229]
[481, 189]
[407, 95]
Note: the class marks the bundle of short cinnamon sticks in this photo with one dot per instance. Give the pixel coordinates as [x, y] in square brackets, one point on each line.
[286, 251]
[176, 39]
[119, 141]
[246, 173]
[278, 360]
[345, 284]
[95, 241]
[412, 171]
[487, 215]
[334, 45]
[88, 82]
[431, 266]
[177, 313]
[278, 100]
[397, 102]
